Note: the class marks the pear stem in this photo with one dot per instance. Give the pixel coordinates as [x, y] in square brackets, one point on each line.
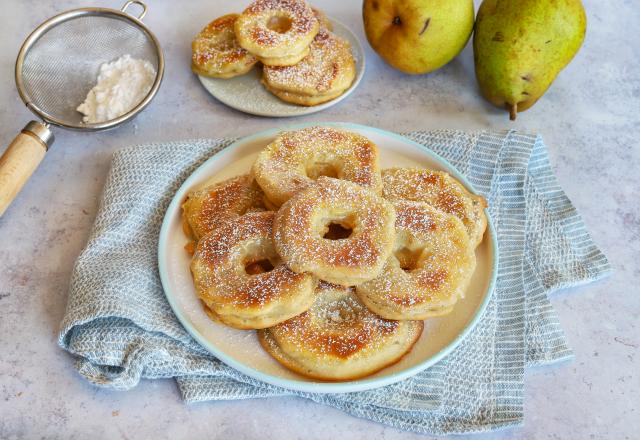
[513, 111]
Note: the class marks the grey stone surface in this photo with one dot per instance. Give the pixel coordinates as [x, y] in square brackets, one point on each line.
[590, 118]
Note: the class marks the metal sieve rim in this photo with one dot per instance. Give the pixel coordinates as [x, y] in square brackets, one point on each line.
[70, 15]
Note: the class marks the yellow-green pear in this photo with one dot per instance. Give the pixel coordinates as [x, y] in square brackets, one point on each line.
[418, 36]
[520, 46]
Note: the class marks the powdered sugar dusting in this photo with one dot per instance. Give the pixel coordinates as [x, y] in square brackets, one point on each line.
[121, 85]
[338, 325]
[431, 265]
[205, 209]
[440, 190]
[285, 166]
[219, 266]
[216, 51]
[255, 34]
[301, 224]
[323, 70]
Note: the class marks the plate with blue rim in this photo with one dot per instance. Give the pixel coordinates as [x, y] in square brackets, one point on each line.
[240, 349]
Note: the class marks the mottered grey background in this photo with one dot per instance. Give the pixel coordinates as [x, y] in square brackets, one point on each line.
[589, 119]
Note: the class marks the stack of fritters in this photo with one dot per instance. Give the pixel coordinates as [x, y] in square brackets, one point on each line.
[304, 62]
[333, 260]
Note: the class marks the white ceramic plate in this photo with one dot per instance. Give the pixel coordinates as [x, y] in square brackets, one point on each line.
[247, 94]
[240, 348]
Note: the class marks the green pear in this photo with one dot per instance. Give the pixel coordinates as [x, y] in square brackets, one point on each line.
[520, 46]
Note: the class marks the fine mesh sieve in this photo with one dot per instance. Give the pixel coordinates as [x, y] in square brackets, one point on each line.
[58, 63]
[57, 66]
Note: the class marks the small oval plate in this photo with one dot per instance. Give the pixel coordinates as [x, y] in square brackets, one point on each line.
[247, 94]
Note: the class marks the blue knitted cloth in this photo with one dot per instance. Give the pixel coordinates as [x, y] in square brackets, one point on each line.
[120, 328]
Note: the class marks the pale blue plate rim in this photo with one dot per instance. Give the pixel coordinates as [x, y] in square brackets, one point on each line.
[309, 386]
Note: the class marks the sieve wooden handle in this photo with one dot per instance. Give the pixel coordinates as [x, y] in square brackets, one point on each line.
[21, 159]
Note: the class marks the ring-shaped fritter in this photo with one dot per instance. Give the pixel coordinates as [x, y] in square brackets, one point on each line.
[430, 269]
[206, 208]
[240, 277]
[324, 74]
[304, 225]
[278, 32]
[338, 338]
[296, 158]
[216, 52]
[440, 190]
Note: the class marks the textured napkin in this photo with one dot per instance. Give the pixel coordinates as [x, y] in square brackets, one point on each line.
[120, 327]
